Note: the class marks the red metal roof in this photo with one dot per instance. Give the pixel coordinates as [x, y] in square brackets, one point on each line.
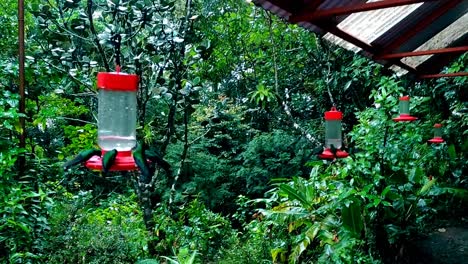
[418, 36]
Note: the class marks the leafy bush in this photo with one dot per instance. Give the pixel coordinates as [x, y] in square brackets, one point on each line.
[195, 228]
[24, 222]
[111, 233]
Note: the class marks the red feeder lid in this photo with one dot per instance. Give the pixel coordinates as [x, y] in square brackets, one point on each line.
[333, 114]
[437, 125]
[405, 118]
[436, 140]
[117, 81]
[123, 162]
[404, 98]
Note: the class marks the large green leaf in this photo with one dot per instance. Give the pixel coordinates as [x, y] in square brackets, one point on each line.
[294, 195]
[426, 187]
[451, 151]
[351, 216]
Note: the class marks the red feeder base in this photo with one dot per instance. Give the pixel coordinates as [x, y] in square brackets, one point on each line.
[341, 154]
[436, 140]
[123, 162]
[405, 118]
[328, 154]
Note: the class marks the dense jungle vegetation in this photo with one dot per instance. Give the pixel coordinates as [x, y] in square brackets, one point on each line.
[233, 99]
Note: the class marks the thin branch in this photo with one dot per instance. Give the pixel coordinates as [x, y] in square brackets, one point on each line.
[89, 12]
[273, 45]
[78, 81]
[183, 156]
[77, 120]
[200, 137]
[303, 131]
[328, 86]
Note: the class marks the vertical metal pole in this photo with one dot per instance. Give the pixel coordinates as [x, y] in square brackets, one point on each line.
[22, 143]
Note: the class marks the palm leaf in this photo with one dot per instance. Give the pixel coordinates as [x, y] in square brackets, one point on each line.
[294, 195]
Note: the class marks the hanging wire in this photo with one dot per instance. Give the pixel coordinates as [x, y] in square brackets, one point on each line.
[117, 40]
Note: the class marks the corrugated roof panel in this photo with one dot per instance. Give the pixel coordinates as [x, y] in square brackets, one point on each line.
[370, 25]
[273, 8]
[327, 4]
[383, 28]
[340, 42]
[399, 71]
[417, 16]
[408, 22]
[311, 27]
[443, 39]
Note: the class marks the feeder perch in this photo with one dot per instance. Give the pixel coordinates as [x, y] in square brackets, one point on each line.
[404, 111]
[437, 135]
[333, 135]
[117, 106]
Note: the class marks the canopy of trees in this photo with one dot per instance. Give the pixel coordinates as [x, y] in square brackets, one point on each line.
[233, 99]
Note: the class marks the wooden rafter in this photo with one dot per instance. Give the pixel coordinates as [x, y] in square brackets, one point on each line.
[403, 38]
[310, 15]
[357, 42]
[421, 53]
[442, 75]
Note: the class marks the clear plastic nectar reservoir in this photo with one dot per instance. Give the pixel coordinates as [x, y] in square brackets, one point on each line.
[333, 128]
[404, 105]
[117, 111]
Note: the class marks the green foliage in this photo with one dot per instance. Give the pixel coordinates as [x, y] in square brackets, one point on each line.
[307, 210]
[269, 156]
[224, 90]
[263, 96]
[85, 229]
[183, 257]
[24, 222]
[80, 138]
[195, 229]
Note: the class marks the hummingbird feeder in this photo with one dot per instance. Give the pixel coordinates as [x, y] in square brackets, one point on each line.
[117, 106]
[404, 111]
[437, 135]
[333, 140]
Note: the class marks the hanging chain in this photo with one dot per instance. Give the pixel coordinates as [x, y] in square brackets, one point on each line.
[117, 40]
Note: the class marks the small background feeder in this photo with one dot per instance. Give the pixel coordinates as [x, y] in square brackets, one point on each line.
[117, 116]
[404, 111]
[333, 135]
[437, 135]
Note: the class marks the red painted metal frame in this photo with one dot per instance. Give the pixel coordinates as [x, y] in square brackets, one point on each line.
[442, 75]
[421, 53]
[339, 11]
[363, 45]
[325, 20]
[420, 26]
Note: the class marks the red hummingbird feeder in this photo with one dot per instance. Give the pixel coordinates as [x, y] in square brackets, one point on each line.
[437, 135]
[404, 111]
[333, 140]
[117, 119]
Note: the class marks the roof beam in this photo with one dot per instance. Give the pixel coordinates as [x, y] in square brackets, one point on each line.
[361, 44]
[442, 75]
[421, 53]
[420, 26]
[346, 10]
